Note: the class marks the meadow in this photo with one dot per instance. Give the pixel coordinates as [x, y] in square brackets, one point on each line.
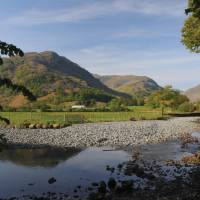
[81, 117]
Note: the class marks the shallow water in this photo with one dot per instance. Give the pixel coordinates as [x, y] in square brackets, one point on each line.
[170, 150]
[27, 171]
[197, 135]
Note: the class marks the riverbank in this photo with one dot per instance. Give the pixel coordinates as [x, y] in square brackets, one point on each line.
[155, 171]
[103, 134]
[168, 170]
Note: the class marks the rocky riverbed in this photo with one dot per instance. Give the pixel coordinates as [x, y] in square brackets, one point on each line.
[167, 170]
[104, 134]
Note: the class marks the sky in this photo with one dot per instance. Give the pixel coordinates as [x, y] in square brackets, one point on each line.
[107, 37]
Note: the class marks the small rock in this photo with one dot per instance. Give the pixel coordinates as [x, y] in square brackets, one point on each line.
[112, 183]
[52, 180]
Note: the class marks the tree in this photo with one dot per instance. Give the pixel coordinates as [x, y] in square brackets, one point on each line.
[8, 50]
[193, 8]
[166, 97]
[191, 29]
[128, 101]
[11, 50]
[89, 95]
[187, 107]
[116, 105]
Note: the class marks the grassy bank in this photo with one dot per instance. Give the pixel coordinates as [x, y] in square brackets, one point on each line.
[77, 117]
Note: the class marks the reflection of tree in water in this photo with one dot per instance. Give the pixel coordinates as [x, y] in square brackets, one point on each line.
[44, 157]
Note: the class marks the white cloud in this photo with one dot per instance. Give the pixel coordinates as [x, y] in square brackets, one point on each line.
[152, 7]
[72, 14]
[175, 67]
[136, 59]
[86, 11]
[132, 33]
[135, 33]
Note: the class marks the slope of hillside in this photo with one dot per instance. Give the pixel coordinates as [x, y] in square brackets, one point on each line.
[129, 84]
[46, 72]
[193, 94]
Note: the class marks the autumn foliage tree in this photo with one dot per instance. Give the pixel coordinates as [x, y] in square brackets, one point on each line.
[191, 29]
[166, 97]
[11, 50]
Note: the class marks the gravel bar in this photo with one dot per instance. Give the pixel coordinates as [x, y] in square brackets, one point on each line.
[103, 134]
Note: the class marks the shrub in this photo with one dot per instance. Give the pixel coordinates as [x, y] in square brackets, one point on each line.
[9, 109]
[24, 125]
[142, 118]
[116, 106]
[3, 142]
[162, 118]
[198, 106]
[3, 125]
[133, 119]
[89, 96]
[75, 119]
[186, 107]
[5, 120]
[166, 97]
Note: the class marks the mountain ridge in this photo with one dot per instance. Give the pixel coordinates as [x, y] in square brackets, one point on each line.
[44, 72]
[130, 84]
[193, 93]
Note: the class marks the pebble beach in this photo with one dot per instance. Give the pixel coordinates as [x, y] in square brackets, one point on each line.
[103, 134]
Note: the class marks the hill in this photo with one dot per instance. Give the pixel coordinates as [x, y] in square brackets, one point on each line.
[129, 84]
[46, 72]
[193, 94]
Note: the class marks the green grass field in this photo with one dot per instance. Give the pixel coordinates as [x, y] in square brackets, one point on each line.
[79, 117]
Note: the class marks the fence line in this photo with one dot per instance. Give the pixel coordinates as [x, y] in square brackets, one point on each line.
[76, 117]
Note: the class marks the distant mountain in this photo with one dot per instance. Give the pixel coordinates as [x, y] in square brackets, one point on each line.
[129, 84]
[44, 73]
[193, 94]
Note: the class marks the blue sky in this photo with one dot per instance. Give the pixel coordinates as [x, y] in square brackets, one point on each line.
[140, 37]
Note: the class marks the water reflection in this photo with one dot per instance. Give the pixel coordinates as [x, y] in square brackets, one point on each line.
[27, 171]
[43, 157]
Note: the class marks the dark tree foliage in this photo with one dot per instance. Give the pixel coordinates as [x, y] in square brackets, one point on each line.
[7, 121]
[17, 88]
[11, 50]
[91, 94]
[193, 8]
